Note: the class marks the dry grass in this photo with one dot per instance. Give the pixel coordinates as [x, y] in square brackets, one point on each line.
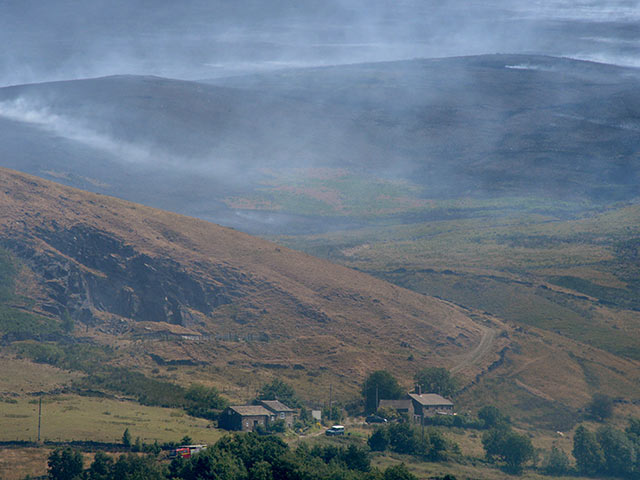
[70, 417]
[20, 377]
[17, 463]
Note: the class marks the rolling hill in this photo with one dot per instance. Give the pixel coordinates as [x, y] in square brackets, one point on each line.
[149, 291]
[305, 149]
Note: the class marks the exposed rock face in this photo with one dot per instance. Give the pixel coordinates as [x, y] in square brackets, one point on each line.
[87, 270]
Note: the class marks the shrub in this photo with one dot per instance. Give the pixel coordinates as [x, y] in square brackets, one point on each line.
[556, 463]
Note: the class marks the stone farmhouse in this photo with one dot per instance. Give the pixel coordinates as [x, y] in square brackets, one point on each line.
[247, 418]
[417, 405]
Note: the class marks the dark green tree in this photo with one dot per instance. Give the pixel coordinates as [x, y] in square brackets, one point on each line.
[379, 440]
[601, 407]
[587, 451]
[280, 390]
[492, 417]
[126, 438]
[619, 452]
[507, 446]
[633, 430]
[101, 468]
[65, 464]
[356, 458]
[380, 385]
[202, 400]
[436, 380]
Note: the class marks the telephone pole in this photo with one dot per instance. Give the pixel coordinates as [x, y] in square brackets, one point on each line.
[330, 402]
[39, 417]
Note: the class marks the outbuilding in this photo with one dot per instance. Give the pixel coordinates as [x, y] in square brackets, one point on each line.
[244, 418]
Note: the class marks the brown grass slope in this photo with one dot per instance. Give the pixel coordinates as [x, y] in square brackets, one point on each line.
[132, 275]
[110, 263]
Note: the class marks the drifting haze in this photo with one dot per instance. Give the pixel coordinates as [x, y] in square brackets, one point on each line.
[204, 39]
[275, 101]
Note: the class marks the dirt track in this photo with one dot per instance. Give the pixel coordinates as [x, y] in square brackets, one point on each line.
[483, 348]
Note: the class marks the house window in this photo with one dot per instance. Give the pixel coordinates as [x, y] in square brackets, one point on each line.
[281, 414]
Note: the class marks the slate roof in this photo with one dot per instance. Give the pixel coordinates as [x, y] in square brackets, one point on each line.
[430, 400]
[251, 410]
[276, 406]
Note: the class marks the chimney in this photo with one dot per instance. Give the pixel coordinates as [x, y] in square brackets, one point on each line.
[418, 389]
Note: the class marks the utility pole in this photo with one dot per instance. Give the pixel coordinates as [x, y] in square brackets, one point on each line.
[330, 401]
[39, 417]
[377, 399]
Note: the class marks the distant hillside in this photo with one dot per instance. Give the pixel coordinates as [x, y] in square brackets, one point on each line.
[302, 150]
[150, 291]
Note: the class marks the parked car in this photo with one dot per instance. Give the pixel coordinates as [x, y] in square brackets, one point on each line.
[375, 419]
[335, 430]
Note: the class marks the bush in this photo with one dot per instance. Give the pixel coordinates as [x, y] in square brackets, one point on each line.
[556, 463]
[408, 439]
[601, 407]
[399, 472]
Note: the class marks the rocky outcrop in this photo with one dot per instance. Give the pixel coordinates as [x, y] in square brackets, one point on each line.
[85, 271]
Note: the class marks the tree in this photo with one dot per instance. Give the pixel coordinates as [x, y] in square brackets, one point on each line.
[335, 414]
[379, 440]
[126, 438]
[508, 446]
[587, 451]
[436, 380]
[279, 390]
[601, 407]
[101, 468]
[380, 385]
[65, 464]
[492, 417]
[619, 451]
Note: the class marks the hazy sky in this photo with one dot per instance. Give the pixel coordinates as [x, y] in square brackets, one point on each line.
[201, 39]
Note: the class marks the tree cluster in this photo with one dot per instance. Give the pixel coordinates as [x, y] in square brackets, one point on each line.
[378, 385]
[608, 451]
[412, 440]
[235, 457]
[436, 380]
